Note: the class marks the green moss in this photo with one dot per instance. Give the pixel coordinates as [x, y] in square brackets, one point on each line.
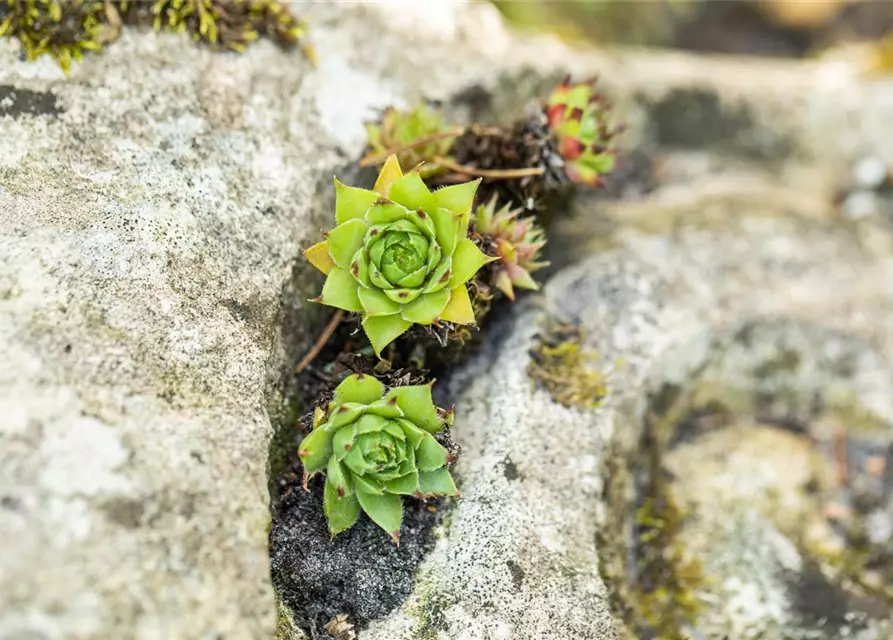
[429, 614]
[66, 30]
[283, 444]
[667, 577]
[612, 537]
[653, 580]
[559, 365]
[787, 362]
[286, 629]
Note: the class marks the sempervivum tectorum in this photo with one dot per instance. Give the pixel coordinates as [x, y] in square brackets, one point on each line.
[417, 136]
[399, 254]
[374, 447]
[516, 241]
[577, 117]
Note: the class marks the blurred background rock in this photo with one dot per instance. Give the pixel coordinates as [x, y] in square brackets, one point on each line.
[795, 28]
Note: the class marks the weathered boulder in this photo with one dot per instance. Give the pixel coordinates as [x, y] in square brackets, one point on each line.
[519, 556]
[739, 260]
[152, 207]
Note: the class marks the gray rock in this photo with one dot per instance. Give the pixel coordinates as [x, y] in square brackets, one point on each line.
[153, 208]
[518, 558]
[870, 172]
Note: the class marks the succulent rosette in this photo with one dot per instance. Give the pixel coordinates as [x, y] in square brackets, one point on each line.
[399, 254]
[517, 242]
[577, 115]
[398, 129]
[374, 447]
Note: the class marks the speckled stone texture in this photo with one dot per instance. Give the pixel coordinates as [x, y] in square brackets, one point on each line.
[152, 210]
[518, 559]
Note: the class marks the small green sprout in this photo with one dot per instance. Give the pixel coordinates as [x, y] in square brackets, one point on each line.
[577, 115]
[374, 447]
[516, 241]
[415, 136]
[400, 254]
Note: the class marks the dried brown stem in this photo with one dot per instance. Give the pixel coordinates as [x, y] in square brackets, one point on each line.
[501, 174]
[320, 341]
[378, 158]
[483, 130]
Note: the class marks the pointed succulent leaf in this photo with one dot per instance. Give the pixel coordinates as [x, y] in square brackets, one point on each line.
[403, 296]
[417, 405]
[446, 225]
[437, 483]
[504, 283]
[423, 222]
[467, 260]
[457, 198]
[427, 307]
[386, 408]
[367, 484]
[340, 291]
[413, 433]
[383, 330]
[315, 450]
[507, 251]
[345, 413]
[430, 454]
[341, 511]
[376, 303]
[345, 240]
[408, 464]
[357, 463]
[352, 202]
[359, 388]
[388, 175]
[440, 276]
[411, 192]
[464, 222]
[318, 256]
[406, 485]
[385, 211]
[521, 278]
[338, 477]
[371, 423]
[319, 417]
[459, 309]
[385, 510]
[413, 279]
[359, 268]
[342, 442]
[377, 279]
[394, 429]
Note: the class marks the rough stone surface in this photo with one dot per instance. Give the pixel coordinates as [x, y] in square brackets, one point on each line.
[662, 304]
[726, 242]
[152, 208]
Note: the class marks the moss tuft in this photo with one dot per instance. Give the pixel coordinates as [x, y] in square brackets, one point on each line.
[664, 597]
[65, 30]
[559, 365]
